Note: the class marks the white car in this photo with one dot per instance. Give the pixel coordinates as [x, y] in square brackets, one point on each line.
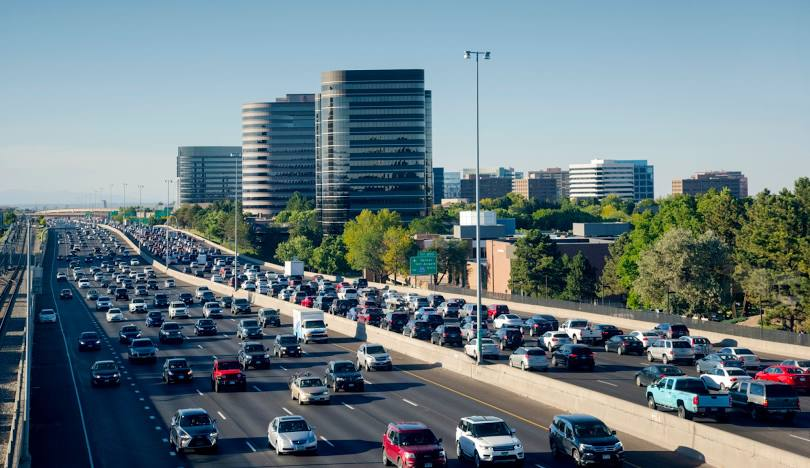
[507, 320]
[61, 276]
[103, 303]
[488, 348]
[552, 340]
[177, 309]
[47, 316]
[84, 283]
[249, 286]
[486, 439]
[288, 434]
[646, 337]
[800, 363]
[115, 315]
[137, 305]
[722, 378]
[217, 279]
[347, 293]
[263, 288]
[749, 359]
[169, 283]
[134, 262]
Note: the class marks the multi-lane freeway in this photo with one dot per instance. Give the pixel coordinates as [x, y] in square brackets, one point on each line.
[75, 424]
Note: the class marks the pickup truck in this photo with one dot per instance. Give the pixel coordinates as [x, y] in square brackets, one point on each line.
[580, 331]
[689, 397]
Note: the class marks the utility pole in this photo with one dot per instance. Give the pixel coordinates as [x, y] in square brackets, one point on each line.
[124, 201]
[140, 196]
[236, 213]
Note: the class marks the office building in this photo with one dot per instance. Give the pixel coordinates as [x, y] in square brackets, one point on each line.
[206, 174]
[702, 182]
[630, 180]
[373, 145]
[488, 187]
[278, 152]
[438, 185]
[452, 185]
[508, 172]
[558, 175]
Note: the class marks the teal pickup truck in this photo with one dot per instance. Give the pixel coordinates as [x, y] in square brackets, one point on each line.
[689, 397]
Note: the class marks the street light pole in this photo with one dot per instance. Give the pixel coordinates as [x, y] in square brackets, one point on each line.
[140, 196]
[479, 333]
[235, 219]
[168, 183]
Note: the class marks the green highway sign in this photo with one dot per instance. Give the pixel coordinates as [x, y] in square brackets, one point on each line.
[424, 263]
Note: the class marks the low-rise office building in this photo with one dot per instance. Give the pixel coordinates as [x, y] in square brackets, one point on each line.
[702, 182]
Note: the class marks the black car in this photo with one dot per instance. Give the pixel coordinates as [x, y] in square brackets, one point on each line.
[205, 327]
[672, 330]
[160, 301]
[394, 321]
[127, 333]
[187, 269]
[341, 306]
[536, 325]
[360, 283]
[140, 290]
[89, 340]
[433, 320]
[286, 345]
[92, 295]
[419, 329]
[624, 344]
[435, 300]
[154, 319]
[152, 284]
[170, 332]
[105, 373]
[573, 356]
[323, 303]
[240, 306]
[177, 370]
[65, 294]
[121, 294]
[187, 298]
[446, 335]
[607, 331]
[507, 338]
[225, 302]
[651, 374]
[253, 354]
[586, 439]
[342, 375]
[207, 296]
[269, 317]
[111, 288]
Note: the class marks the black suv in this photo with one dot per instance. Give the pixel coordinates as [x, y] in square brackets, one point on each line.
[154, 319]
[253, 354]
[240, 306]
[205, 327]
[187, 299]
[121, 294]
[508, 338]
[127, 333]
[419, 329]
[89, 340]
[585, 438]
[394, 321]
[286, 345]
[170, 332]
[341, 306]
[572, 356]
[177, 370]
[160, 301]
[342, 375]
[269, 317]
[607, 331]
[323, 303]
[225, 302]
[207, 296]
[446, 335]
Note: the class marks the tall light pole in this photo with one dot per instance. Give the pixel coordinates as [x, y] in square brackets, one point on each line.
[235, 219]
[168, 184]
[140, 197]
[111, 187]
[124, 200]
[479, 333]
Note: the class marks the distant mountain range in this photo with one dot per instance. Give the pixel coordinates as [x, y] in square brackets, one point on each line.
[39, 199]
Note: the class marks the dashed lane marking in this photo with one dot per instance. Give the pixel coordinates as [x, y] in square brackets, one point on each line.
[200, 346]
[257, 388]
[800, 438]
[221, 415]
[327, 441]
[409, 402]
[252, 449]
[348, 406]
[199, 392]
[607, 383]
[287, 411]
[283, 368]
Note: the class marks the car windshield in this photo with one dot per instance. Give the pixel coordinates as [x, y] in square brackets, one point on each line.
[736, 372]
[252, 348]
[423, 437]
[593, 429]
[700, 340]
[129, 329]
[491, 429]
[89, 335]
[344, 367]
[240, 301]
[142, 343]
[487, 341]
[311, 383]
[287, 340]
[315, 324]
[106, 366]
[228, 365]
[171, 326]
[740, 351]
[452, 330]
[793, 370]
[293, 426]
[375, 350]
[195, 420]
[681, 344]
[670, 370]
[178, 364]
[270, 313]
[803, 363]
[250, 323]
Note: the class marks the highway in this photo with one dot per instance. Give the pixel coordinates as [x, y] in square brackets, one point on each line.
[74, 424]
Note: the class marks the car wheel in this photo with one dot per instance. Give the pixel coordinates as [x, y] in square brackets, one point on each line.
[665, 359]
[459, 452]
[606, 348]
[553, 362]
[683, 413]
[723, 387]
[638, 381]
[649, 357]
[523, 366]
[577, 457]
[651, 403]
[619, 351]
[477, 460]
[385, 460]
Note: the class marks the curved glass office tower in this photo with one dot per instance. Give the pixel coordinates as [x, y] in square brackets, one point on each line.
[372, 145]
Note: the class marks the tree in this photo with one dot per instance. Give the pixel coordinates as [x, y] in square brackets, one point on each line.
[579, 278]
[330, 256]
[611, 283]
[451, 260]
[295, 204]
[399, 246]
[722, 213]
[536, 267]
[296, 248]
[437, 222]
[305, 223]
[363, 237]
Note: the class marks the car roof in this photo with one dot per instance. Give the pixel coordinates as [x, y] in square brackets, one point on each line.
[408, 426]
[578, 418]
[176, 359]
[246, 343]
[482, 419]
[104, 362]
[293, 417]
[191, 411]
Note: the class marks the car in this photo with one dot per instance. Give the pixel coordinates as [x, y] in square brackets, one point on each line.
[89, 341]
[225, 302]
[140, 290]
[371, 357]
[667, 351]
[419, 329]
[489, 350]
[177, 370]
[723, 378]
[507, 320]
[284, 431]
[249, 329]
[205, 327]
[446, 335]
[65, 294]
[127, 333]
[651, 374]
[487, 440]
[168, 283]
[646, 337]
[154, 319]
[227, 373]
[551, 340]
[103, 303]
[253, 354]
[206, 297]
[373, 316]
[762, 398]
[142, 349]
[217, 278]
[573, 356]
[496, 310]
[285, 294]
[672, 331]
[586, 439]
[449, 309]
[529, 358]
[170, 332]
[121, 294]
[343, 375]
[341, 306]
[92, 295]
[177, 309]
[624, 344]
[701, 345]
[114, 314]
[286, 345]
[137, 305]
[350, 293]
[790, 375]
[607, 331]
[186, 298]
[192, 429]
[306, 388]
[134, 262]
[801, 363]
[84, 283]
[689, 396]
[750, 360]
[104, 373]
[152, 284]
[269, 317]
[405, 442]
[160, 301]
[240, 306]
[507, 338]
[61, 276]
[715, 360]
[536, 325]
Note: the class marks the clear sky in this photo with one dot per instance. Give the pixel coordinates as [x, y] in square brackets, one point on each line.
[102, 92]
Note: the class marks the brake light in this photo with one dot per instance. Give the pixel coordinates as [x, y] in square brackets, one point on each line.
[572, 355]
[734, 379]
[695, 400]
[662, 376]
[765, 402]
[554, 340]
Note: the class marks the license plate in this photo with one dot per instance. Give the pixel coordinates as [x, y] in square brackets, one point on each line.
[502, 453]
[231, 382]
[605, 457]
[428, 465]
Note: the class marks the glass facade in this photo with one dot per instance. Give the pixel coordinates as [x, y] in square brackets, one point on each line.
[438, 185]
[372, 144]
[278, 152]
[643, 178]
[207, 173]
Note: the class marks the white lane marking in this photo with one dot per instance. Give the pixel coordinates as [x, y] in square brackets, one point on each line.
[157, 428]
[199, 392]
[200, 346]
[607, 383]
[367, 381]
[409, 402]
[800, 438]
[152, 417]
[283, 368]
[287, 411]
[172, 453]
[257, 388]
[140, 399]
[221, 415]
[327, 441]
[146, 408]
[165, 440]
[348, 406]
[252, 449]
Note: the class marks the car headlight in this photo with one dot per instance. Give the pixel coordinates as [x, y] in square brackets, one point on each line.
[485, 448]
[266, 356]
[212, 436]
[442, 454]
[183, 434]
[410, 455]
[585, 447]
[171, 372]
[116, 375]
[618, 446]
[248, 358]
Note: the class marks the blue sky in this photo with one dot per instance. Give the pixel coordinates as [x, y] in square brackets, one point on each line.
[103, 92]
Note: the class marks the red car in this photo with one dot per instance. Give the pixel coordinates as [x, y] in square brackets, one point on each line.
[412, 444]
[307, 301]
[791, 375]
[495, 310]
[227, 373]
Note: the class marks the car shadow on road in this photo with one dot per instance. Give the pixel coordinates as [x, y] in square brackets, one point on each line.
[418, 366]
[392, 386]
[354, 398]
[347, 447]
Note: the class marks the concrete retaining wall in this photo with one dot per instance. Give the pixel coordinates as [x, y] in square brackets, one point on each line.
[714, 446]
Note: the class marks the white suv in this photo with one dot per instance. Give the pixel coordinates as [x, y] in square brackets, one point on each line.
[487, 439]
[177, 309]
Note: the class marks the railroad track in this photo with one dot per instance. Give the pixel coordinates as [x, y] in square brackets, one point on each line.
[15, 279]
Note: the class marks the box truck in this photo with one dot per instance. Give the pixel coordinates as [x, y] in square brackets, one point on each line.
[294, 268]
[308, 325]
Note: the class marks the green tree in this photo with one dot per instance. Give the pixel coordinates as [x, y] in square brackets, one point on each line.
[536, 267]
[451, 260]
[363, 237]
[330, 256]
[296, 248]
[611, 283]
[579, 278]
[437, 222]
[722, 213]
[295, 204]
[305, 223]
[399, 246]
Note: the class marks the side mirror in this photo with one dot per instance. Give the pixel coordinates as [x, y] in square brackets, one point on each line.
[613, 432]
[514, 431]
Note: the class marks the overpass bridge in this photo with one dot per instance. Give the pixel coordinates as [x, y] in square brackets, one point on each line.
[75, 212]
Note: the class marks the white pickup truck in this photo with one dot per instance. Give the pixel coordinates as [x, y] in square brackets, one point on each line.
[580, 331]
